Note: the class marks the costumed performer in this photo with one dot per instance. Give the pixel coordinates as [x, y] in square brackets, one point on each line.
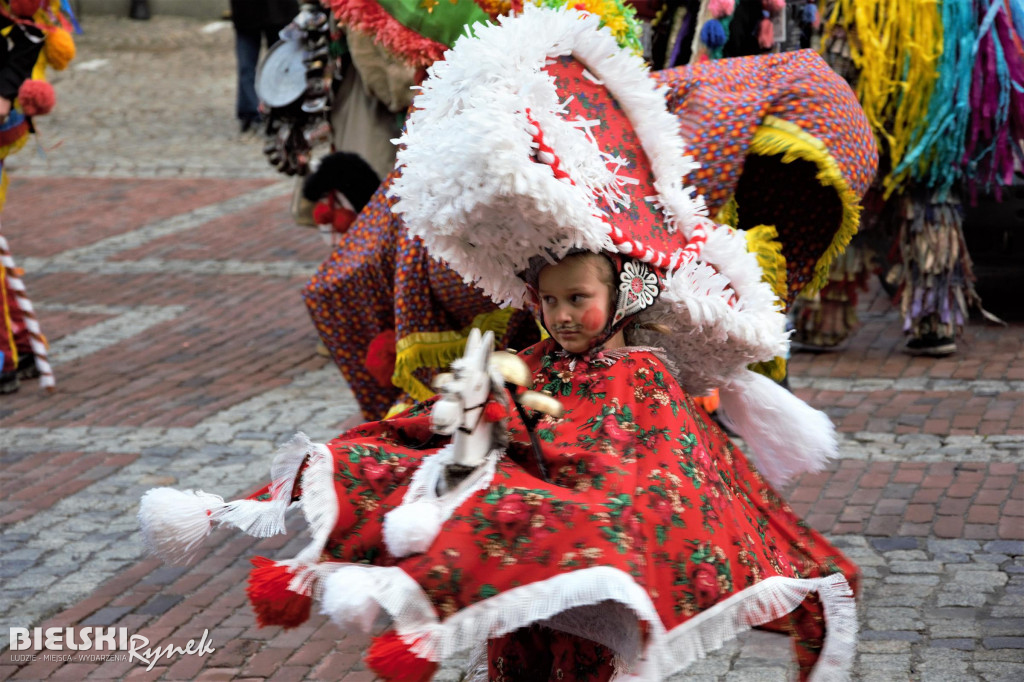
[786, 150]
[35, 34]
[622, 534]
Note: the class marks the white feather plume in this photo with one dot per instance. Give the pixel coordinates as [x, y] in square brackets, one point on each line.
[785, 436]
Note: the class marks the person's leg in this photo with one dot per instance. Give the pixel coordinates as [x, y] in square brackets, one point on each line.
[247, 51]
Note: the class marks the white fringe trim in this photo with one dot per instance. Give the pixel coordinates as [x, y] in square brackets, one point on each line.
[174, 523]
[469, 187]
[666, 652]
[264, 519]
[711, 340]
[762, 603]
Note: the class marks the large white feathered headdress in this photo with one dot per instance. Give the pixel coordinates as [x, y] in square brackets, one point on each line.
[540, 135]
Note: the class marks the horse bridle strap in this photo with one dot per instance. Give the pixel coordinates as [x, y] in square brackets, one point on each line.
[466, 410]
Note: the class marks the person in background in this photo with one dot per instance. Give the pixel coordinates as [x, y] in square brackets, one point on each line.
[255, 20]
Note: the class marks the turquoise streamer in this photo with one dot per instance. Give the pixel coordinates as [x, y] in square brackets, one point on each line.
[934, 156]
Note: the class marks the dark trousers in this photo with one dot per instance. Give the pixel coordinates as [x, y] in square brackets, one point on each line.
[247, 51]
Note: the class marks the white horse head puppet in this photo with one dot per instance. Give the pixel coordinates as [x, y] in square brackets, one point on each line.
[477, 396]
[476, 399]
[465, 393]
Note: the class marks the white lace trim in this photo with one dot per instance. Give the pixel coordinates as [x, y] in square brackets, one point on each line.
[762, 603]
[552, 601]
[265, 518]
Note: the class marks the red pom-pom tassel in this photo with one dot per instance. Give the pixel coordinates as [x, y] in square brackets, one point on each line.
[342, 219]
[391, 659]
[323, 212]
[36, 97]
[494, 411]
[380, 357]
[271, 599]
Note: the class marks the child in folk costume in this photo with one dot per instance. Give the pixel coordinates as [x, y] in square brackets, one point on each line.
[621, 535]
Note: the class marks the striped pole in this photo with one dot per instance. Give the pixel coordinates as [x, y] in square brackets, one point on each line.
[36, 339]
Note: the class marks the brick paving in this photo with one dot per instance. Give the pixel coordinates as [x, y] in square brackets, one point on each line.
[183, 355]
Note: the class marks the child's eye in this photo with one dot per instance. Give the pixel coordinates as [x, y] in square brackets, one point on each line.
[577, 298]
[548, 300]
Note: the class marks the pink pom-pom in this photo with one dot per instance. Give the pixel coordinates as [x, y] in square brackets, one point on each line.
[766, 34]
[721, 8]
[37, 97]
[773, 6]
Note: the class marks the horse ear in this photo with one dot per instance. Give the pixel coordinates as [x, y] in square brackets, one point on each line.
[488, 342]
[485, 350]
[472, 341]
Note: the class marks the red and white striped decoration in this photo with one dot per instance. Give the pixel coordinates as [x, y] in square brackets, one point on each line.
[36, 339]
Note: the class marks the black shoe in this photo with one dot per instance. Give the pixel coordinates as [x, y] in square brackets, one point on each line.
[27, 366]
[9, 382]
[931, 345]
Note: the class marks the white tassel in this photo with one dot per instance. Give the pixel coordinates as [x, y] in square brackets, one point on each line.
[786, 436]
[412, 528]
[174, 523]
[348, 601]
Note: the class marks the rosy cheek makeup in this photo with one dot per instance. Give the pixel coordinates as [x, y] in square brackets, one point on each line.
[593, 319]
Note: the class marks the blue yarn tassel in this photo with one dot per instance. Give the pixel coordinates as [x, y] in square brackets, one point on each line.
[65, 7]
[713, 34]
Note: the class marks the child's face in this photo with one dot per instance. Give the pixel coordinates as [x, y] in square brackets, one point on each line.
[575, 301]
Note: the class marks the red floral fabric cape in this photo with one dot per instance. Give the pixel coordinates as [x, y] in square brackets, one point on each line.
[655, 536]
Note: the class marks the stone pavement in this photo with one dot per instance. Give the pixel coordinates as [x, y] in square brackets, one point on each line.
[159, 251]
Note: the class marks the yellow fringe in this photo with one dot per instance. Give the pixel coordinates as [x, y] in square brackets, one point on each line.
[397, 409]
[729, 214]
[763, 242]
[439, 349]
[8, 325]
[774, 369]
[774, 137]
[4, 181]
[896, 47]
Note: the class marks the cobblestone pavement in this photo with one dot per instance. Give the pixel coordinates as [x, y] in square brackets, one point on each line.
[183, 354]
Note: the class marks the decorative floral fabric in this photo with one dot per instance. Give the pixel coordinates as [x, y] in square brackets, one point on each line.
[641, 481]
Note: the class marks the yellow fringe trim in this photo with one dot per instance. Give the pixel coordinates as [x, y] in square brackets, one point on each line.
[774, 369]
[439, 349]
[775, 137]
[8, 325]
[4, 181]
[397, 409]
[729, 214]
[4, 153]
[896, 47]
[763, 242]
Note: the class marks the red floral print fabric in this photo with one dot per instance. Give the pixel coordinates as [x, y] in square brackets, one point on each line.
[641, 481]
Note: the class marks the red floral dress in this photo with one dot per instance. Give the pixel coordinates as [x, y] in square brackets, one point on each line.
[655, 538]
